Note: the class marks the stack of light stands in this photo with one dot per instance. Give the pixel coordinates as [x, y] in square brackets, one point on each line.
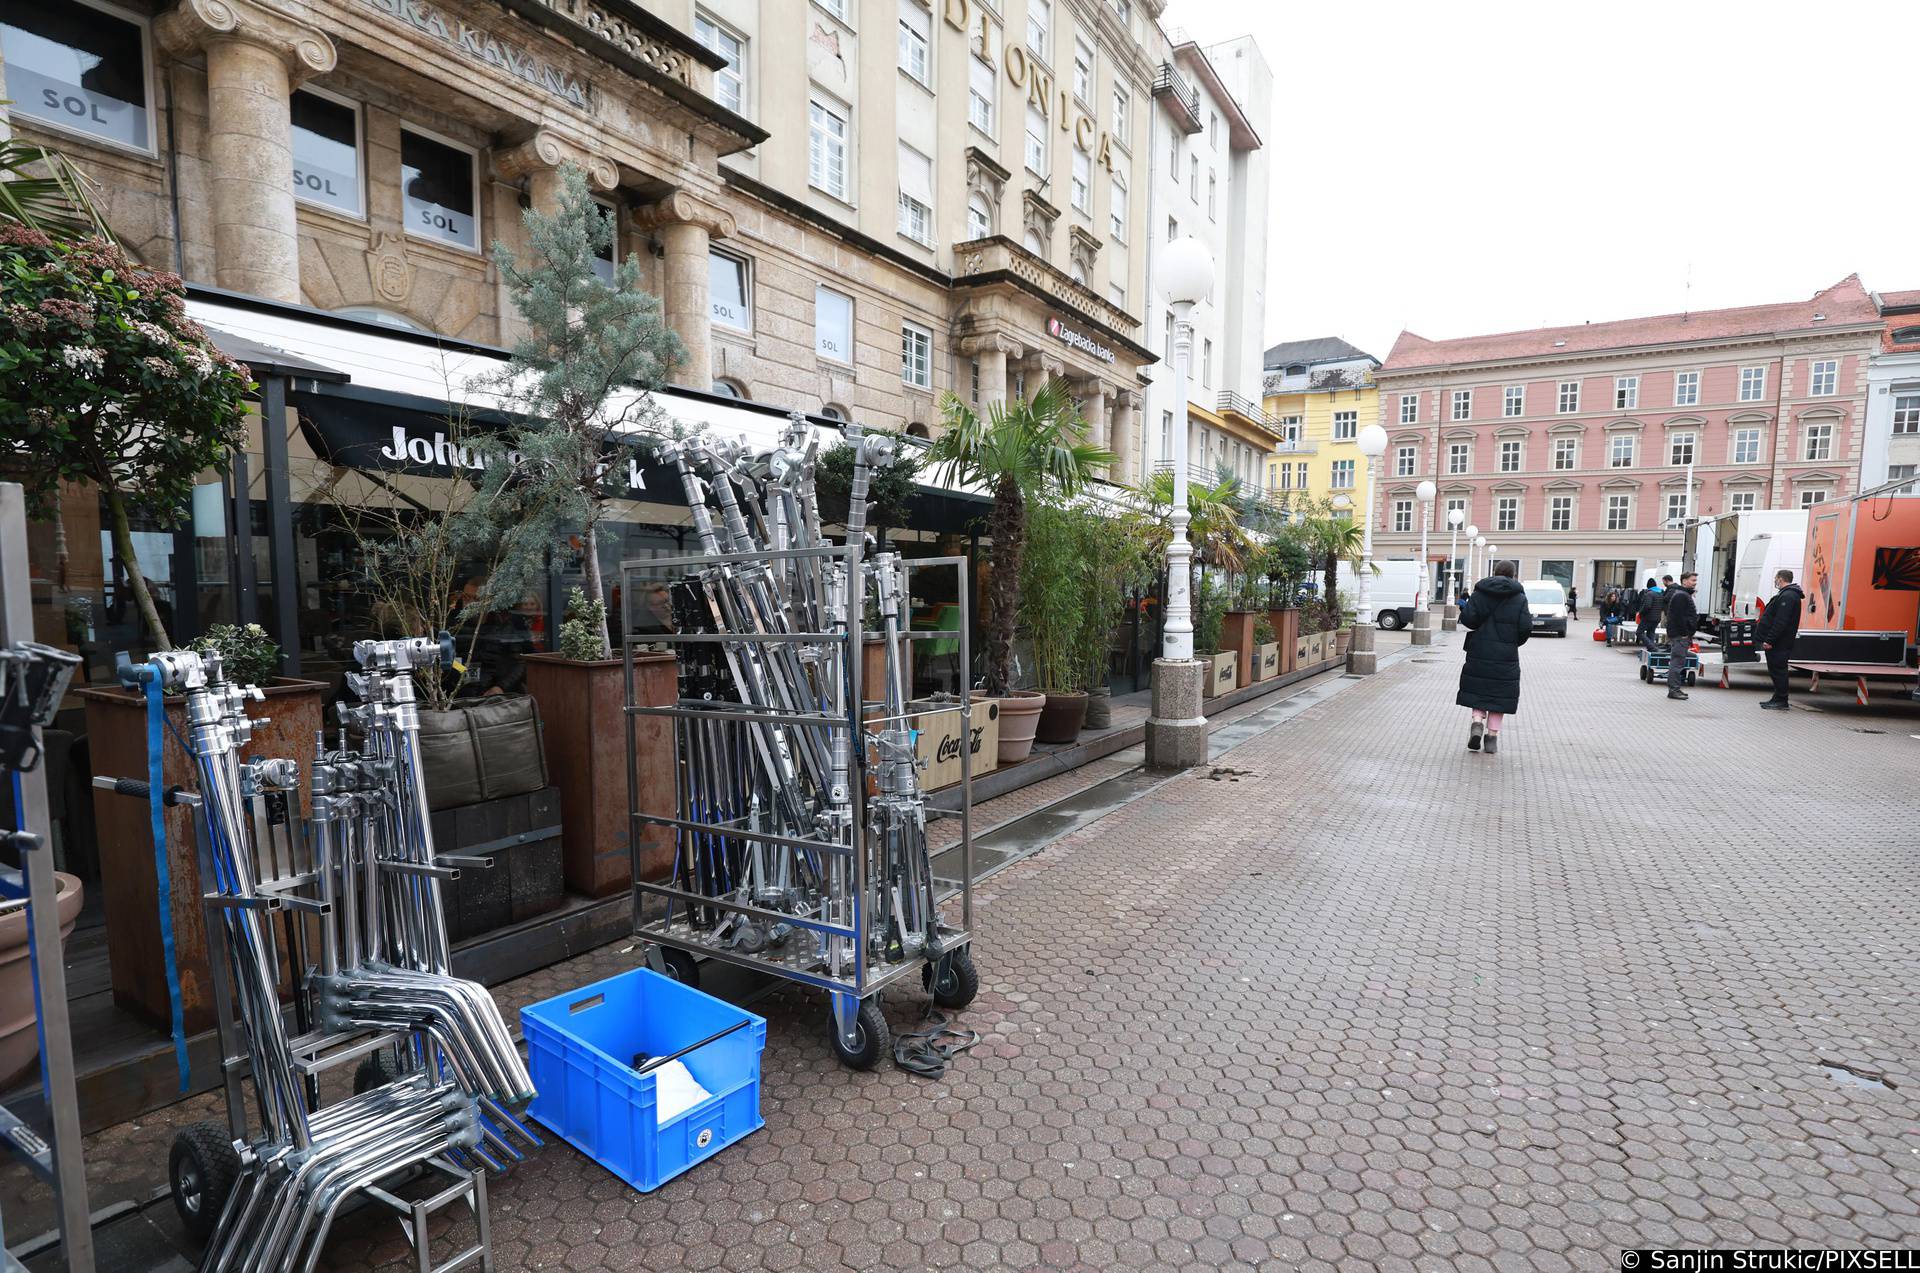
[32, 680]
[264, 1190]
[797, 852]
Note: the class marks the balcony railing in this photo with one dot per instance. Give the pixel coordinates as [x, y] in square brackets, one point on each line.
[1183, 97]
[1295, 446]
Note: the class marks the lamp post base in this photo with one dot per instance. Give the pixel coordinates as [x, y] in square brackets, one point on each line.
[1177, 730]
[1361, 659]
[1423, 626]
[1450, 618]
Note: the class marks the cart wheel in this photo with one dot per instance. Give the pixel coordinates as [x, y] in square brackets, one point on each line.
[1645, 674]
[201, 1170]
[956, 982]
[1692, 677]
[378, 1070]
[873, 1037]
[681, 966]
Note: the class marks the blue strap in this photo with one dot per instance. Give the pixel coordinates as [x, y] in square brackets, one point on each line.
[163, 883]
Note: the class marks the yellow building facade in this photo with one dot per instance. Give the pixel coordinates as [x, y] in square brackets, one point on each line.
[1321, 394]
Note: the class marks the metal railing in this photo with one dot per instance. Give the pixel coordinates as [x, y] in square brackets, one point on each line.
[1169, 83]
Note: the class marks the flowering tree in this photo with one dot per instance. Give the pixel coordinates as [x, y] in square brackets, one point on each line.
[108, 381]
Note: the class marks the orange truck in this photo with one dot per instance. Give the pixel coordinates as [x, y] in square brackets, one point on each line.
[1862, 579]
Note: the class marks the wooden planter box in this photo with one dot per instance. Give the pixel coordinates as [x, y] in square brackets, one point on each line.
[1236, 637]
[1267, 662]
[129, 882]
[1313, 648]
[938, 743]
[1286, 633]
[582, 709]
[1222, 675]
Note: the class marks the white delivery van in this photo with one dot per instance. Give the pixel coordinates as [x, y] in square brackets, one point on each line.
[1547, 603]
[1736, 555]
[1394, 590]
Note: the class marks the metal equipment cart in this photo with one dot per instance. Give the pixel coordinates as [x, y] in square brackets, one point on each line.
[1654, 662]
[800, 824]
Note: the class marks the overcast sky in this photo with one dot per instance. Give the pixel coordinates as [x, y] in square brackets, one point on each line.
[1455, 168]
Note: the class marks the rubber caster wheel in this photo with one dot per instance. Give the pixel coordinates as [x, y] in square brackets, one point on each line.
[1645, 675]
[378, 1070]
[953, 981]
[680, 966]
[1692, 677]
[201, 1170]
[873, 1038]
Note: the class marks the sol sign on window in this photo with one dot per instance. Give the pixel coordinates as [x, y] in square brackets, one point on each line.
[79, 68]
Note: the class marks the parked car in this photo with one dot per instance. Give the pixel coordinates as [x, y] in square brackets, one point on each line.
[1547, 602]
[1393, 591]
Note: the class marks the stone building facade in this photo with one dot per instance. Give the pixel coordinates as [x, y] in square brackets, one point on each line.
[1571, 447]
[1321, 393]
[1892, 447]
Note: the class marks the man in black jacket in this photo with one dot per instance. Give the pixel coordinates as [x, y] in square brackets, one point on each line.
[1683, 620]
[1647, 608]
[1776, 632]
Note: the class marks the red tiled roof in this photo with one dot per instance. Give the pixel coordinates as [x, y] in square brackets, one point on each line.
[1843, 303]
[1900, 300]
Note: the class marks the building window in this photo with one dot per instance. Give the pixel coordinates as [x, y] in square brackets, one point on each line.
[728, 389]
[1680, 448]
[1746, 446]
[1117, 293]
[1510, 455]
[1082, 190]
[1213, 129]
[1039, 24]
[1620, 451]
[729, 82]
[1036, 140]
[1506, 512]
[1346, 426]
[440, 188]
[1169, 352]
[606, 256]
[1459, 457]
[1409, 408]
[1753, 384]
[1906, 336]
[1403, 515]
[1819, 442]
[1619, 511]
[914, 59]
[1206, 362]
[1122, 113]
[1404, 460]
[915, 219]
[916, 356]
[1082, 71]
[1566, 453]
[1906, 413]
[832, 324]
[1809, 498]
[1626, 393]
[1569, 396]
[1676, 507]
[729, 299]
[1514, 403]
[1686, 388]
[1826, 378]
[1897, 471]
[1300, 475]
[1290, 430]
[1343, 475]
[979, 217]
[1284, 475]
[827, 149]
[1453, 502]
[1742, 501]
[1117, 208]
[981, 90]
[838, 8]
[1213, 197]
[833, 411]
[81, 68]
[1173, 229]
[1166, 436]
[326, 151]
[1463, 404]
[1193, 178]
[1560, 512]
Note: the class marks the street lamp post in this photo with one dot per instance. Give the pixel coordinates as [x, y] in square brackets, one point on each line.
[1450, 618]
[1478, 561]
[1177, 729]
[1362, 660]
[1423, 604]
[1473, 537]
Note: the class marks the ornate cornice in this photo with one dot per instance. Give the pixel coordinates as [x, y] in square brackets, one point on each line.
[546, 150]
[683, 208]
[194, 24]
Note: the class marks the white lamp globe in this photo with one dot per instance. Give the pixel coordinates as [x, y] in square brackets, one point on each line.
[1473, 533]
[1372, 441]
[1492, 549]
[1479, 541]
[1426, 492]
[1186, 271]
[1455, 516]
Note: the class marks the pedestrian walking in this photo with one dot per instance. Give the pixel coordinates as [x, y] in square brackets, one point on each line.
[1683, 620]
[1490, 678]
[1573, 602]
[1777, 630]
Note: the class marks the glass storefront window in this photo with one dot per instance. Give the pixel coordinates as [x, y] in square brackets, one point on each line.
[79, 67]
[326, 151]
[439, 184]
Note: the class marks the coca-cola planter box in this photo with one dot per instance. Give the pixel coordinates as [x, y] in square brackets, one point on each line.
[938, 745]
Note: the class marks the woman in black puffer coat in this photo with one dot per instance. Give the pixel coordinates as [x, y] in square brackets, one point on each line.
[1490, 679]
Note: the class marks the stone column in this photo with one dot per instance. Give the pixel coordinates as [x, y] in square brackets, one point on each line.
[255, 58]
[686, 227]
[993, 351]
[539, 160]
[1126, 436]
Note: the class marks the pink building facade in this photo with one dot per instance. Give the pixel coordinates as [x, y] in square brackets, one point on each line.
[1569, 447]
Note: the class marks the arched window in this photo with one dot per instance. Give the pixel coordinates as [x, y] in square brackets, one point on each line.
[833, 411]
[1906, 335]
[1079, 274]
[918, 429]
[1033, 244]
[384, 317]
[728, 389]
[979, 217]
[1297, 369]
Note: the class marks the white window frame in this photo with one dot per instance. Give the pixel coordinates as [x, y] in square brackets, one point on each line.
[1622, 505]
[1406, 460]
[1206, 362]
[838, 8]
[1341, 475]
[746, 290]
[819, 134]
[1626, 393]
[359, 157]
[1086, 72]
[1402, 516]
[473, 157]
[1513, 402]
[1117, 208]
[1462, 405]
[1620, 451]
[1567, 449]
[1821, 432]
[914, 43]
[613, 247]
[913, 360]
[1741, 436]
[1034, 148]
[1193, 178]
[1560, 512]
[1823, 378]
[1409, 408]
[1459, 458]
[1690, 440]
[1813, 495]
[1676, 508]
[1513, 455]
[977, 202]
[148, 71]
[1040, 30]
[852, 324]
[1350, 420]
[736, 67]
[982, 108]
[1906, 414]
[1122, 123]
[1686, 388]
[1461, 502]
[1568, 399]
[913, 215]
[1742, 501]
[1080, 182]
[1213, 195]
[1754, 378]
[1506, 513]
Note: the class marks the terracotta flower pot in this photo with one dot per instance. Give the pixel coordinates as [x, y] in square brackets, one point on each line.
[19, 1043]
[1062, 717]
[1019, 718]
[1341, 640]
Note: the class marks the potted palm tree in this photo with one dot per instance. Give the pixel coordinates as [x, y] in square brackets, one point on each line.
[1023, 450]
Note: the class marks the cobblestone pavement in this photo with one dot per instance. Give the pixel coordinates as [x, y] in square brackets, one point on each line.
[1355, 997]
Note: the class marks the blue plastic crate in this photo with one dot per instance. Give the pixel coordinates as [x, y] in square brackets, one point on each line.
[580, 1049]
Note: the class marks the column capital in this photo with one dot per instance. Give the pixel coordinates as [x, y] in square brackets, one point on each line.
[1047, 365]
[192, 25]
[684, 208]
[1093, 387]
[546, 150]
[1126, 399]
[991, 343]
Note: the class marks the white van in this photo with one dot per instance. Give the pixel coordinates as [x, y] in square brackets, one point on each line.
[1737, 554]
[1393, 591]
[1547, 603]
